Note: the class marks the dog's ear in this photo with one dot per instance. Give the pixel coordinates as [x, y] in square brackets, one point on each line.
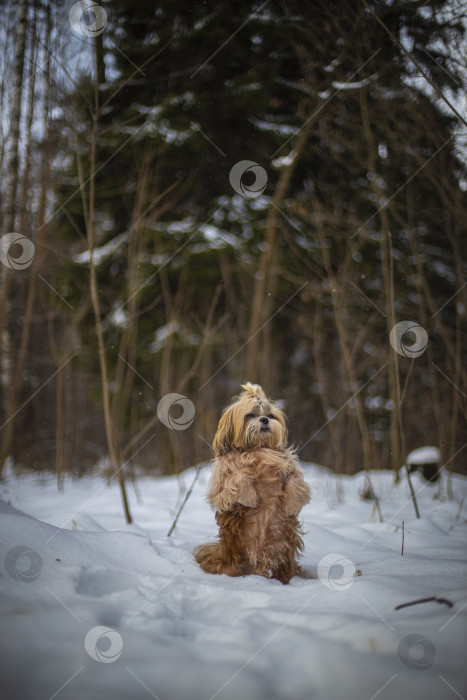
[224, 438]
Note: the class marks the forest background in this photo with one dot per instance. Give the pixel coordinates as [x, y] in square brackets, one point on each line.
[137, 263]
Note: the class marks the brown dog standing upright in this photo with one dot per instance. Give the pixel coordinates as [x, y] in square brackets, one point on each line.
[257, 491]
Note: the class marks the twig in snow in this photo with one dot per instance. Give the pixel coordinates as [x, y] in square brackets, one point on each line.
[188, 494]
[460, 508]
[402, 552]
[425, 600]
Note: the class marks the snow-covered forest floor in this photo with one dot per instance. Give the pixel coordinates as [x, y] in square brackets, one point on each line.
[69, 564]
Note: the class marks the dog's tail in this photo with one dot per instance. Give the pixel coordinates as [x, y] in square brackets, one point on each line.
[209, 557]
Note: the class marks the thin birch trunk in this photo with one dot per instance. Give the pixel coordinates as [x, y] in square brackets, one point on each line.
[94, 291]
[397, 458]
[9, 221]
[265, 281]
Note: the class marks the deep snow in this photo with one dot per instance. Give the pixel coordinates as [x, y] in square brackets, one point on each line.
[170, 631]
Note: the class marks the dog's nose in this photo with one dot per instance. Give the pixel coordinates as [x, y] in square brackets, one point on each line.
[264, 420]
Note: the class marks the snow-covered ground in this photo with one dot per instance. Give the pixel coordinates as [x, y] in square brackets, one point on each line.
[95, 609]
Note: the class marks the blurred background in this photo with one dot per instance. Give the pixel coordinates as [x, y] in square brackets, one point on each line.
[143, 265]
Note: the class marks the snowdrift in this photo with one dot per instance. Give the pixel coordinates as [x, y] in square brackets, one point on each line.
[93, 608]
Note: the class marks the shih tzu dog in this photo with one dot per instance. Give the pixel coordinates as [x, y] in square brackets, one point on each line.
[257, 491]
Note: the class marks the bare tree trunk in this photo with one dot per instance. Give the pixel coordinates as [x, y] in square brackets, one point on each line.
[457, 406]
[338, 307]
[24, 209]
[421, 285]
[126, 363]
[398, 396]
[62, 351]
[11, 187]
[397, 438]
[127, 355]
[12, 168]
[36, 266]
[94, 290]
[338, 452]
[180, 386]
[397, 458]
[266, 274]
[99, 54]
[60, 431]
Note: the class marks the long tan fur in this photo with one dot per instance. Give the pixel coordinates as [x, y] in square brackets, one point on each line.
[257, 491]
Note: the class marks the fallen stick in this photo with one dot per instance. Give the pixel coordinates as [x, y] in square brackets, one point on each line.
[188, 494]
[425, 600]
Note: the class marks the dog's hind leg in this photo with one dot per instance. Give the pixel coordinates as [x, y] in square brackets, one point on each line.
[212, 559]
[209, 557]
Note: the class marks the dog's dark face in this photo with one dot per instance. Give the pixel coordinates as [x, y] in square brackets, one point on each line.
[251, 421]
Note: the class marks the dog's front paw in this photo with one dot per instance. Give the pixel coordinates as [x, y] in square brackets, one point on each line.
[292, 509]
[247, 496]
